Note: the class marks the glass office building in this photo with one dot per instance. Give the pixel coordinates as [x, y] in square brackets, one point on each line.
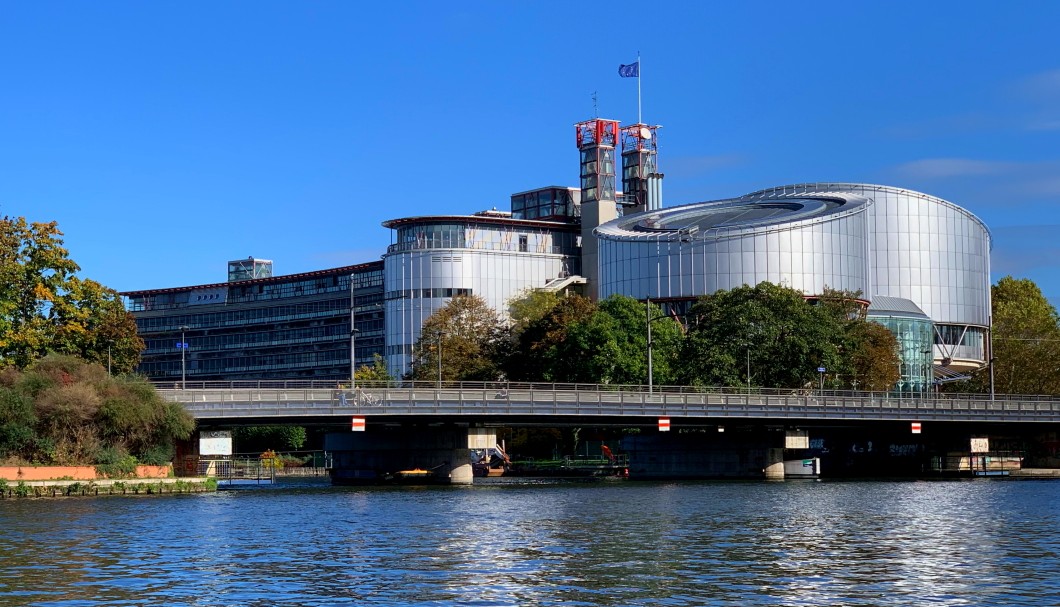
[291, 327]
[879, 240]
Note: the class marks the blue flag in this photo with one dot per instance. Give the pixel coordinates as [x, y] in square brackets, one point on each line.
[629, 71]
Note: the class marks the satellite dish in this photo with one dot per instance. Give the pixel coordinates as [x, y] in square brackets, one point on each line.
[645, 132]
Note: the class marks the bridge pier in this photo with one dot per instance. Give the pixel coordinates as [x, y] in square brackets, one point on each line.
[401, 454]
[747, 453]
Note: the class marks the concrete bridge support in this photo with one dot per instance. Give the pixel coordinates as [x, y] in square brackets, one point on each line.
[754, 453]
[390, 454]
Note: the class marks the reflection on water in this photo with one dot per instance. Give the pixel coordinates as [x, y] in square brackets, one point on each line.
[545, 543]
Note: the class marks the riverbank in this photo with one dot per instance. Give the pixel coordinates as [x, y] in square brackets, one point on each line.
[105, 487]
[1036, 473]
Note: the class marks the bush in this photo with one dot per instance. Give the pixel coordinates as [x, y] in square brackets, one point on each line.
[62, 410]
[17, 423]
[158, 455]
[113, 463]
[253, 439]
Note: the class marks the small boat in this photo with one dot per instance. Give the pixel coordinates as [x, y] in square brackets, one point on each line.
[416, 476]
[490, 462]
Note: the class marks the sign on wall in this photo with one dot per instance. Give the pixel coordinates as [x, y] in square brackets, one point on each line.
[980, 445]
[215, 442]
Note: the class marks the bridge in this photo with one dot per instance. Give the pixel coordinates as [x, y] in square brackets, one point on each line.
[564, 404]
[383, 427]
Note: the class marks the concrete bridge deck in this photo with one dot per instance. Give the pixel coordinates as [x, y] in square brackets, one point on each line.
[556, 403]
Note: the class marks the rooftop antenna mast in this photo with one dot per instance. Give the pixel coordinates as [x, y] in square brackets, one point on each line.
[596, 111]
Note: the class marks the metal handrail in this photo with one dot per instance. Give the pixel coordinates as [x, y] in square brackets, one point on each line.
[584, 387]
[426, 399]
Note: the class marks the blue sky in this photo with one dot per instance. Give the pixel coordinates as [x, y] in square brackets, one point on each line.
[169, 138]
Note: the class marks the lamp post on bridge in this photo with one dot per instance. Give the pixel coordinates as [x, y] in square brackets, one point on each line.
[648, 321]
[183, 345]
[438, 337]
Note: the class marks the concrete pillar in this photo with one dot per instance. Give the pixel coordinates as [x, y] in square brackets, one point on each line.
[379, 453]
[462, 474]
[774, 469]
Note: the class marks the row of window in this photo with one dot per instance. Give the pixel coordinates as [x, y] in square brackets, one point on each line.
[231, 365]
[259, 292]
[427, 293]
[229, 341]
[272, 315]
[491, 238]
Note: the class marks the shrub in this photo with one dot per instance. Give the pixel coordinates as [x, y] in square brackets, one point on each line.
[17, 423]
[158, 455]
[113, 463]
[61, 409]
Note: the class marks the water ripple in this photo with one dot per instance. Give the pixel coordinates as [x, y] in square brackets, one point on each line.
[628, 544]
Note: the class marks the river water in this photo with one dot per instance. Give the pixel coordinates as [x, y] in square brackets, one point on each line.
[981, 542]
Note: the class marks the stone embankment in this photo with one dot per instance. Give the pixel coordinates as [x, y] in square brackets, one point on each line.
[57, 481]
[1037, 473]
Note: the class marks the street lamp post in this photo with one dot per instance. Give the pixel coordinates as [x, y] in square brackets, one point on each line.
[353, 337]
[110, 342]
[928, 371]
[183, 348]
[438, 336]
[353, 355]
[647, 315]
[648, 320]
[991, 355]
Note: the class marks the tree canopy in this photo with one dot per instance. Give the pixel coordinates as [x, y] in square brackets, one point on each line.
[45, 307]
[1026, 341]
[460, 339]
[62, 410]
[769, 336]
[611, 345]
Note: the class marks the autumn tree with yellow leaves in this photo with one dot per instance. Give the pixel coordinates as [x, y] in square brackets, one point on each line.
[45, 307]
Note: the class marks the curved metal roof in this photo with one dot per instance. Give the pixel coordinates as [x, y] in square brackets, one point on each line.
[733, 216]
[882, 305]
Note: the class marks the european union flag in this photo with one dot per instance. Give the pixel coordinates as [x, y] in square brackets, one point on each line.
[629, 71]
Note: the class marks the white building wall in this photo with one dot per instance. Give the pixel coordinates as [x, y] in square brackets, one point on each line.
[416, 278]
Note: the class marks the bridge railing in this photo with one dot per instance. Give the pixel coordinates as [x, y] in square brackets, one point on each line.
[514, 399]
[374, 386]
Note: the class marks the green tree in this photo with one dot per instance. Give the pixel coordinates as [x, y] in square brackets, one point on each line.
[34, 269]
[256, 439]
[868, 352]
[463, 335]
[874, 361]
[767, 329]
[534, 351]
[531, 306]
[91, 323]
[375, 373]
[611, 345]
[1026, 341]
[45, 308]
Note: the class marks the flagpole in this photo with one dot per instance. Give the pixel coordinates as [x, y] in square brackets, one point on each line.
[640, 68]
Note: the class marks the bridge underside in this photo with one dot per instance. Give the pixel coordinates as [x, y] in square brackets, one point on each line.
[710, 448]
